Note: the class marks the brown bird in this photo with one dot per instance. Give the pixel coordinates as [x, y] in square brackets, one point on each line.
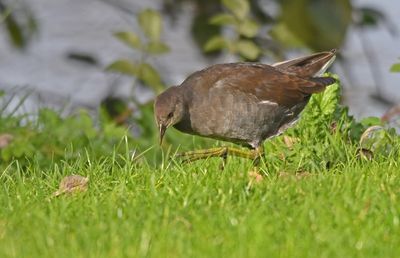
[243, 103]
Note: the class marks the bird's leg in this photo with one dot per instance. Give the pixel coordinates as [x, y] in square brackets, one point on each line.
[222, 152]
[190, 156]
[254, 173]
[224, 160]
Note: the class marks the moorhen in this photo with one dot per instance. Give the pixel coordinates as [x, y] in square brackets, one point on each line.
[243, 103]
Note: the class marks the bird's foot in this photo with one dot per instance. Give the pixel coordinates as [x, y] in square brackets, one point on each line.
[223, 153]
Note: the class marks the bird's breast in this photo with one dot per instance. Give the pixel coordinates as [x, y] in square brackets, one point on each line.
[232, 116]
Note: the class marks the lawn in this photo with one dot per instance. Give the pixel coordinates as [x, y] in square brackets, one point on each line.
[319, 196]
[200, 211]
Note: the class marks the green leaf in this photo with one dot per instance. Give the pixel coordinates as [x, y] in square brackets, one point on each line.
[20, 24]
[395, 68]
[202, 30]
[248, 49]
[240, 8]
[371, 121]
[150, 77]
[223, 19]
[124, 67]
[248, 28]
[15, 32]
[321, 25]
[330, 99]
[129, 38]
[370, 16]
[281, 33]
[215, 43]
[151, 23]
[157, 48]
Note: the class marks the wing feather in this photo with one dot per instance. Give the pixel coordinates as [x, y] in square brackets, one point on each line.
[267, 83]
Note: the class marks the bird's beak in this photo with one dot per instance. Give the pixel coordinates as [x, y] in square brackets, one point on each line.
[162, 129]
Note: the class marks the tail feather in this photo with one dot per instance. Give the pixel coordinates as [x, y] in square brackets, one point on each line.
[323, 80]
[319, 84]
[308, 66]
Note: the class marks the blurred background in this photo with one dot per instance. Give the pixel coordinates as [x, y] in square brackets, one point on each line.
[69, 54]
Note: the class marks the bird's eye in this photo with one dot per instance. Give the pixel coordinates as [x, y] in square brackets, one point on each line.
[170, 115]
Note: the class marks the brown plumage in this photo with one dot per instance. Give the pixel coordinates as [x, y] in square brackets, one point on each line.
[244, 103]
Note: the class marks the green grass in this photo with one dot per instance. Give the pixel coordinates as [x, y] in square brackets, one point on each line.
[318, 198]
[350, 210]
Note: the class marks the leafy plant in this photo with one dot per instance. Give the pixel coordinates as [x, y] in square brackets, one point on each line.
[325, 136]
[147, 43]
[318, 25]
[150, 44]
[245, 29]
[18, 22]
[395, 68]
[51, 138]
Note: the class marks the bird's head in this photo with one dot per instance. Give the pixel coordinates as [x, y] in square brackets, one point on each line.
[168, 109]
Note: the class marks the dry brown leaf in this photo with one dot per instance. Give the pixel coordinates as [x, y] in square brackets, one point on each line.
[333, 127]
[284, 174]
[72, 184]
[299, 175]
[5, 140]
[281, 156]
[365, 153]
[290, 141]
[255, 176]
[302, 174]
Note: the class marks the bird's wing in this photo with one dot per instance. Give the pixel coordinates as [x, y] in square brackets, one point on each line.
[267, 83]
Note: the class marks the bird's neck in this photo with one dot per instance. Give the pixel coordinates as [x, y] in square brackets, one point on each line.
[184, 124]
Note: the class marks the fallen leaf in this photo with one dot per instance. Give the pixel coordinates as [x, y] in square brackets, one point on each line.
[302, 174]
[284, 174]
[72, 184]
[281, 156]
[365, 153]
[289, 141]
[333, 127]
[5, 140]
[255, 176]
[298, 175]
